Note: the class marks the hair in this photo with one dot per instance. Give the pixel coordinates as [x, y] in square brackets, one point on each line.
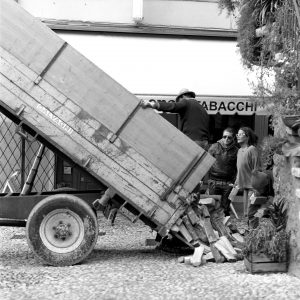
[230, 130]
[252, 137]
[190, 94]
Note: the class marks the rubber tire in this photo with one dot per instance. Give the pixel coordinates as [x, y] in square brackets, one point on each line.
[77, 206]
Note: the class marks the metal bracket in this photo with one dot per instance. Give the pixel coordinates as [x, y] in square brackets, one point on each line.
[152, 212]
[117, 133]
[23, 134]
[87, 162]
[177, 184]
[40, 77]
[20, 110]
[137, 217]
[101, 203]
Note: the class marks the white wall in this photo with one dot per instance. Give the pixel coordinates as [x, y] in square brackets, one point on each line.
[187, 14]
[119, 11]
[156, 12]
[144, 64]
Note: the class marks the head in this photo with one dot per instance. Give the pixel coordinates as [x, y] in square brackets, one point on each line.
[246, 136]
[260, 182]
[185, 93]
[228, 136]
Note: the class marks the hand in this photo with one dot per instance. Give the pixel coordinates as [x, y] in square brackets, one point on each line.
[234, 185]
[149, 103]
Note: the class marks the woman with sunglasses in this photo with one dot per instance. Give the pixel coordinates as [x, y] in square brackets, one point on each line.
[247, 161]
[223, 172]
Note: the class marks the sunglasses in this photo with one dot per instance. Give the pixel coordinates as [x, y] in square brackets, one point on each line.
[240, 134]
[227, 137]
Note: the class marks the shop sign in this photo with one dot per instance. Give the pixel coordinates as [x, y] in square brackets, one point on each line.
[225, 105]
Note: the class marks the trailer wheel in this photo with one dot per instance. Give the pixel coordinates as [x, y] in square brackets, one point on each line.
[62, 230]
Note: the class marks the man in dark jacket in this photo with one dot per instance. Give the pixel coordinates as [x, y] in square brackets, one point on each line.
[194, 120]
[223, 172]
[194, 123]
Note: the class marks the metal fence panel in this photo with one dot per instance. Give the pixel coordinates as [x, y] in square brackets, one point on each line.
[16, 157]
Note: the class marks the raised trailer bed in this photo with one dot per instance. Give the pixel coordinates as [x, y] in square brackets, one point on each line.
[69, 104]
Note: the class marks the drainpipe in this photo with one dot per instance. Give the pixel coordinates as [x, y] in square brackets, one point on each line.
[137, 11]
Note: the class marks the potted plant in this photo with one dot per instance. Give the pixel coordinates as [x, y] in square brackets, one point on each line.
[266, 246]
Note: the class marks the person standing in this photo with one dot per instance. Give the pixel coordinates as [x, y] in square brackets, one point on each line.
[247, 161]
[223, 172]
[194, 123]
[194, 119]
[262, 184]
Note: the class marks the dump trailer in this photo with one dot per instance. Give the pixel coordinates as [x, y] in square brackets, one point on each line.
[63, 100]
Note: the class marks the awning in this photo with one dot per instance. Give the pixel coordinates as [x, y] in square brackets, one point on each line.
[225, 105]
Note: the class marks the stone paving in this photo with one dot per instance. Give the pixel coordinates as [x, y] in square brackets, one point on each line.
[122, 267]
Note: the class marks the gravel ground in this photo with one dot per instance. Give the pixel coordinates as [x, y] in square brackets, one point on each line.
[122, 267]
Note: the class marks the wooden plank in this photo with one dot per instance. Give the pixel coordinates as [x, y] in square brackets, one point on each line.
[217, 223]
[192, 216]
[199, 172]
[219, 258]
[258, 258]
[207, 201]
[190, 228]
[205, 219]
[209, 231]
[185, 233]
[238, 237]
[197, 256]
[209, 257]
[216, 197]
[201, 233]
[224, 246]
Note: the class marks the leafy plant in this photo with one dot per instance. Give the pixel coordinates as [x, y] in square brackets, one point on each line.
[275, 55]
[247, 41]
[270, 236]
[277, 213]
[229, 5]
[268, 147]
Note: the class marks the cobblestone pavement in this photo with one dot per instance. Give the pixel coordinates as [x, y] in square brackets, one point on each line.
[122, 267]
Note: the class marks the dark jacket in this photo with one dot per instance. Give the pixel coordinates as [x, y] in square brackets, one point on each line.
[224, 167]
[193, 117]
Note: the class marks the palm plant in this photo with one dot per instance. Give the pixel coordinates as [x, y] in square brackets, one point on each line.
[270, 237]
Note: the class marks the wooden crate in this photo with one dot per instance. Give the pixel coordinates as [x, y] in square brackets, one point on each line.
[262, 264]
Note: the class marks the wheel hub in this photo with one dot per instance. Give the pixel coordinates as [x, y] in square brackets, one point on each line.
[62, 231]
